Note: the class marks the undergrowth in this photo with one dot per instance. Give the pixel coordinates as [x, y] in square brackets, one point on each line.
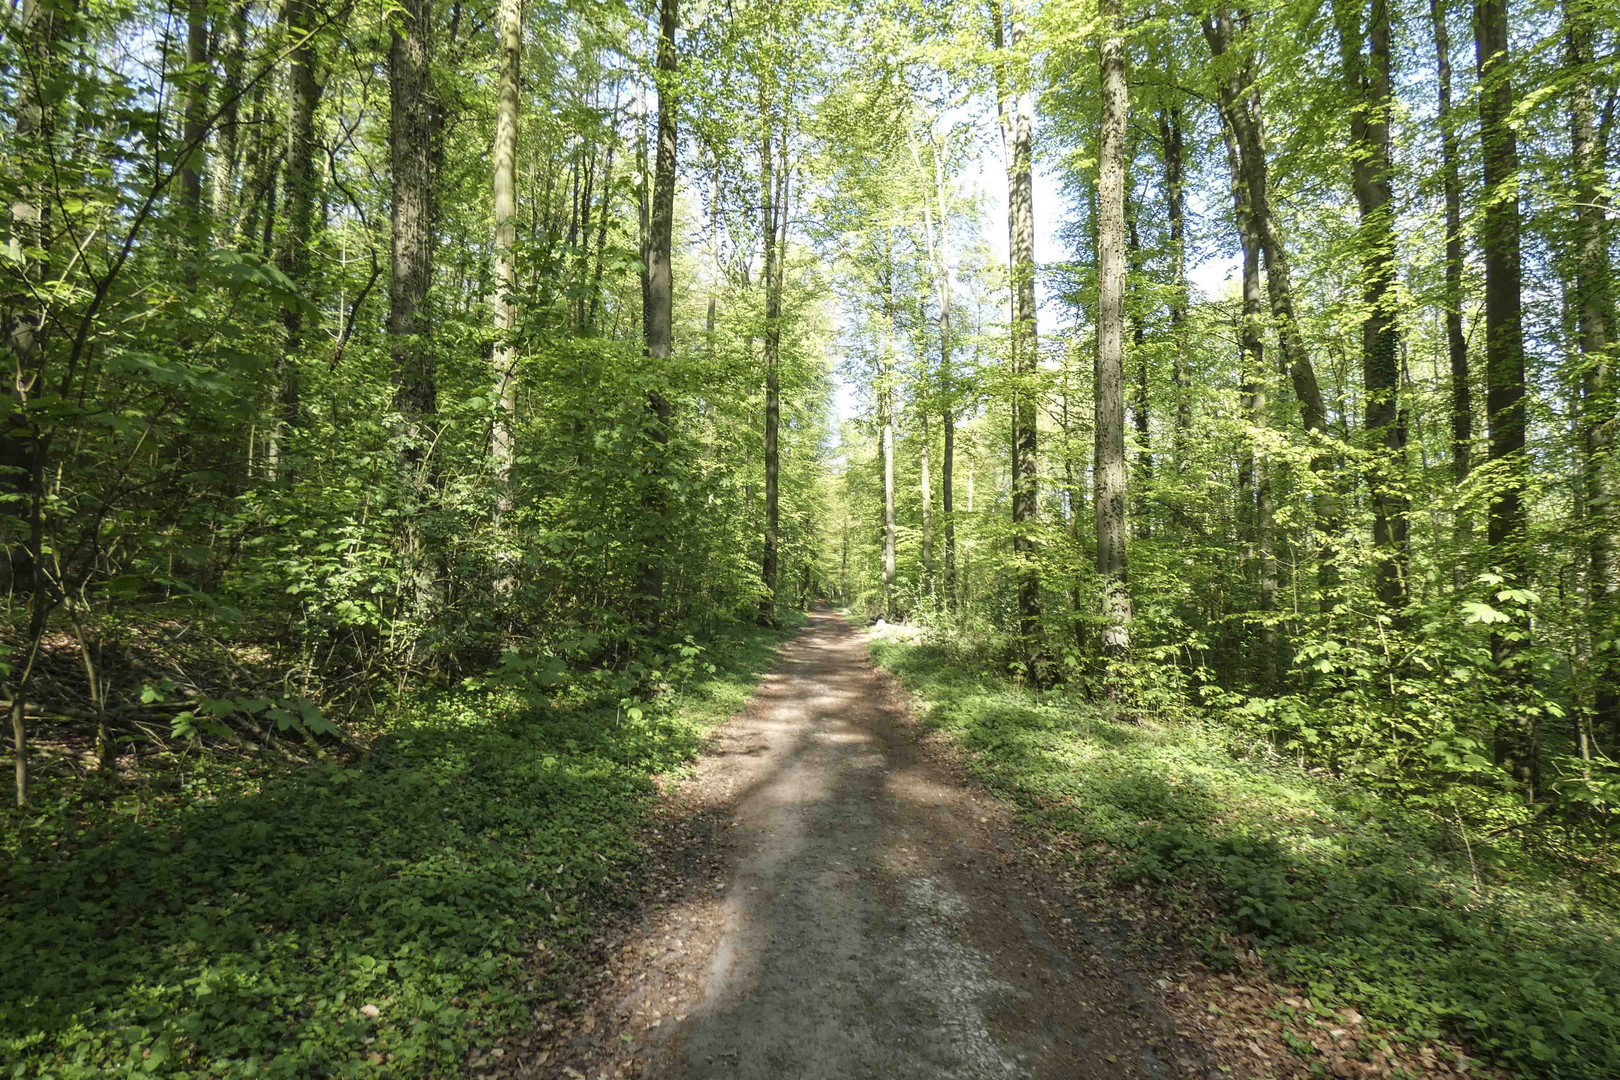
[339, 920]
[1508, 943]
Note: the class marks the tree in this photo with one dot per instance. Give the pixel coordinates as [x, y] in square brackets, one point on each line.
[1016, 105]
[1518, 732]
[658, 298]
[509, 27]
[1109, 393]
[1368, 81]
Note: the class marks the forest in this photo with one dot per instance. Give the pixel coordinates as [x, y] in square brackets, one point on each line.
[429, 418]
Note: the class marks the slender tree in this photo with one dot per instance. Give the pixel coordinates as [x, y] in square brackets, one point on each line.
[1109, 390]
[1517, 734]
[300, 186]
[509, 43]
[1462, 409]
[1594, 304]
[1017, 110]
[1367, 76]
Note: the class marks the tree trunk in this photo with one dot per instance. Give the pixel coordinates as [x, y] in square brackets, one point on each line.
[1109, 392]
[22, 446]
[299, 189]
[509, 31]
[1017, 108]
[1594, 280]
[1141, 419]
[194, 116]
[1462, 409]
[1175, 197]
[886, 425]
[415, 376]
[1517, 734]
[658, 314]
[926, 483]
[1367, 78]
[1251, 336]
[1240, 107]
[222, 172]
[939, 266]
[773, 343]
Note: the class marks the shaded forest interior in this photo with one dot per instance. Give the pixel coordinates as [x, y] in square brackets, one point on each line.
[428, 417]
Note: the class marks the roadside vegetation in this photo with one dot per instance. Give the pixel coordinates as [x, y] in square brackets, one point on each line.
[220, 915]
[1449, 914]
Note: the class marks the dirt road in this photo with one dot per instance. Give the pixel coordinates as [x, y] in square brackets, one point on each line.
[868, 916]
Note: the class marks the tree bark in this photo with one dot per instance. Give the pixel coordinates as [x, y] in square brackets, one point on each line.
[509, 41]
[227, 142]
[1368, 80]
[1240, 107]
[658, 314]
[939, 267]
[415, 375]
[1251, 337]
[194, 116]
[1109, 390]
[1594, 282]
[885, 404]
[1517, 734]
[1175, 197]
[768, 225]
[1462, 409]
[1017, 109]
[23, 448]
[299, 190]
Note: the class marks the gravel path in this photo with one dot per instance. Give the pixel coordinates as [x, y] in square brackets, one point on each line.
[873, 918]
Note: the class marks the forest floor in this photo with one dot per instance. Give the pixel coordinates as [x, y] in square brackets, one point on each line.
[832, 895]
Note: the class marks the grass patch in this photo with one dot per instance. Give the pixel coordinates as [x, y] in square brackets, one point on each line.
[335, 921]
[1362, 899]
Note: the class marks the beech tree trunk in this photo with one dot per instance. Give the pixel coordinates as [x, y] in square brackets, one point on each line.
[768, 225]
[411, 238]
[194, 116]
[1260, 507]
[1594, 283]
[658, 309]
[885, 405]
[1517, 734]
[1017, 108]
[1367, 77]
[1109, 390]
[509, 42]
[38, 30]
[1240, 107]
[1175, 199]
[1462, 409]
[299, 191]
[222, 174]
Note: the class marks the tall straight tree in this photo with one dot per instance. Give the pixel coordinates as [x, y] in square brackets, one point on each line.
[773, 185]
[1109, 373]
[939, 271]
[410, 134]
[299, 184]
[222, 177]
[194, 117]
[658, 298]
[1462, 408]
[509, 42]
[1594, 302]
[1172, 143]
[1241, 108]
[1260, 503]
[1016, 104]
[1367, 76]
[1517, 733]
